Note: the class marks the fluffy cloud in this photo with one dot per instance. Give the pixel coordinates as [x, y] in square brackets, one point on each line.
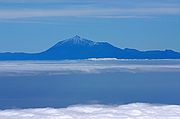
[130, 111]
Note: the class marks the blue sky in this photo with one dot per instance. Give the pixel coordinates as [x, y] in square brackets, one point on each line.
[35, 25]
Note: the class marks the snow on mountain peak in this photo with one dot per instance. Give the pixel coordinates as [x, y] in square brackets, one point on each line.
[76, 40]
[77, 37]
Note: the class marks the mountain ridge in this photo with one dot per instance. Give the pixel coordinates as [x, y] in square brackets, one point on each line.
[81, 48]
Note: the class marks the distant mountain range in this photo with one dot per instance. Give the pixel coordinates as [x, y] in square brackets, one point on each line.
[80, 48]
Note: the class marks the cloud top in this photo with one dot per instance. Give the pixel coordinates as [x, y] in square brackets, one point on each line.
[84, 66]
[129, 111]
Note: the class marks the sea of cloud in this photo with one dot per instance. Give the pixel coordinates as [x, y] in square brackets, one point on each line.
[65, 67]
[128, 111]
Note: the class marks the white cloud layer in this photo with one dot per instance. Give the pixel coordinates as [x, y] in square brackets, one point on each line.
[129, 111]
[84, 66]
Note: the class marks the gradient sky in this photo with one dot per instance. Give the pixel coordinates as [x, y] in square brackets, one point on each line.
[35, 25]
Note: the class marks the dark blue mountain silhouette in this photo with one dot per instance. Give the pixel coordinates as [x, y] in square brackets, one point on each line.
[80, 48]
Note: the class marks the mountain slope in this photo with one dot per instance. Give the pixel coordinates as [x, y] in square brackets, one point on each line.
[80, 48]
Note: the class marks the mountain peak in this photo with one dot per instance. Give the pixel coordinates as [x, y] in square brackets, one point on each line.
[76, 37]
[76, 40]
